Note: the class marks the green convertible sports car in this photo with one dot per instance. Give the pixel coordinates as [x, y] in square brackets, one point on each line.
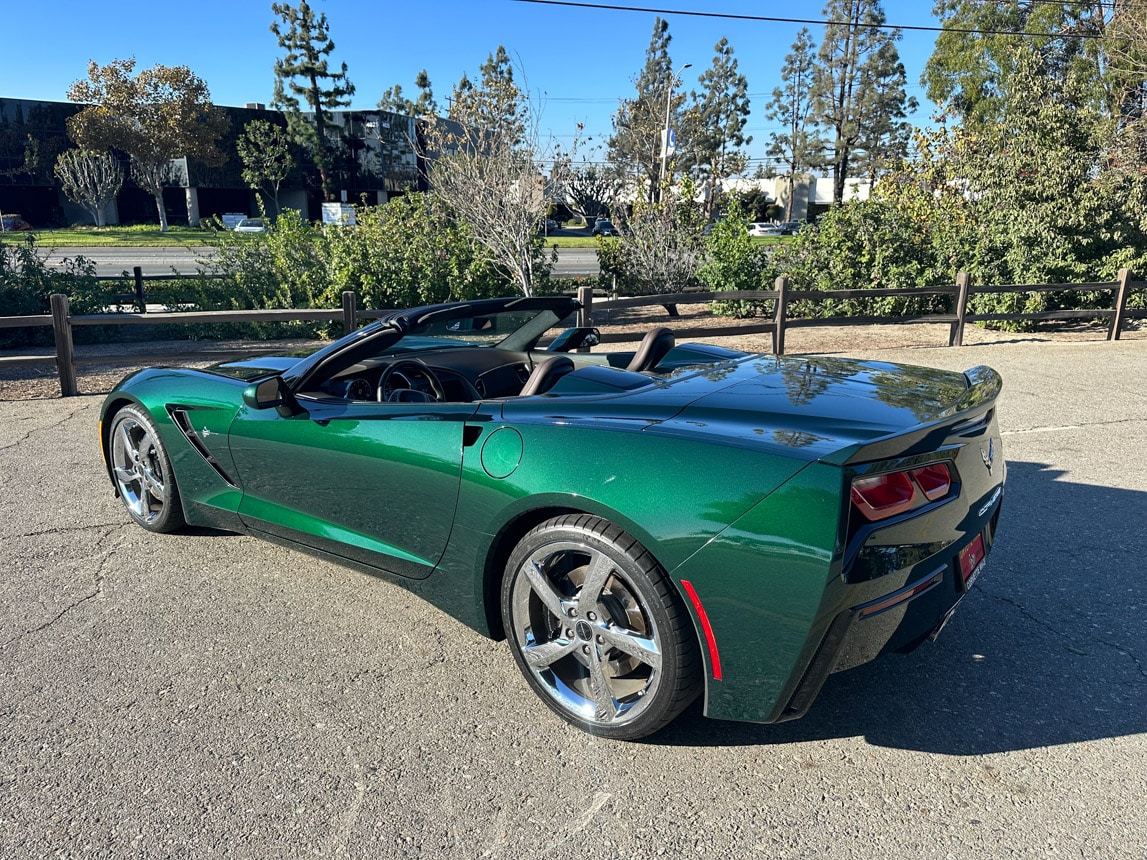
[642, 527]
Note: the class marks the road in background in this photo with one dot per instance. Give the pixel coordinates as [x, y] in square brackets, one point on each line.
[212, 694]
[109, 262]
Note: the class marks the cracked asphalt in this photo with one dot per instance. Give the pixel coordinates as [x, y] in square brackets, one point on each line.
[210, 695]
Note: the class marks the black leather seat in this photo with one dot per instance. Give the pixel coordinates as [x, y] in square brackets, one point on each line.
[545, 374]
[654, 347]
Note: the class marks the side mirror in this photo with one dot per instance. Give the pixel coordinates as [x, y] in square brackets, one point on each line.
[574, 338]
[267, 394]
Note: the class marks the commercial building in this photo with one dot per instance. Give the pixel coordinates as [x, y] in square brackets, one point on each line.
[375, 156]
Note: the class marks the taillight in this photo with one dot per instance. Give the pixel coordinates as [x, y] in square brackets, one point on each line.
[934, 481]
[879, 497]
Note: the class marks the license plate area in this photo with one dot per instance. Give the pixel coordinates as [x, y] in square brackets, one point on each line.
[971, 562]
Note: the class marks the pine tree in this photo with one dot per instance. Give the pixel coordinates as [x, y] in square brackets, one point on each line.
[496, 106]
[424, 107]
[306, 40]
[635, 147]
[799, 148]
[715, 126]
[854, 55]
[884, 129]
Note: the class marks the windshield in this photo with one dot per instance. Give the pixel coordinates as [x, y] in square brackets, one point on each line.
[484, 329]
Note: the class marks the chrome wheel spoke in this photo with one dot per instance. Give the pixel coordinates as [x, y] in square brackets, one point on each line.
[636, 646]
[131, 452]
[126, 475]
[600, 569]
[544, 590]
[146, 447]
[604, 704]
[153, 484]
[544, 655]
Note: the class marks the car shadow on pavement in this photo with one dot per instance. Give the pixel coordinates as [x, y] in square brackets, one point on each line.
[1049, 647]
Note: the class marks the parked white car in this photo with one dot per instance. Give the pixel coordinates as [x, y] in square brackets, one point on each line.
[251, 225]
[764, 228]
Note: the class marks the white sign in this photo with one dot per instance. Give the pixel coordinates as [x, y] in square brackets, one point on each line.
[668, 141]
[339, 213]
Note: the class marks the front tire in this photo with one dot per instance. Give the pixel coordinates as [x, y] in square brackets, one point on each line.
[142, 472]
[597, 628]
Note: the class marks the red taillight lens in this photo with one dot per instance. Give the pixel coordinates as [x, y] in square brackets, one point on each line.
[882, 496]
[934, 481]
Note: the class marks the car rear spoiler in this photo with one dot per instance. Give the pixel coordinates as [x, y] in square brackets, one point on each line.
[969, 416]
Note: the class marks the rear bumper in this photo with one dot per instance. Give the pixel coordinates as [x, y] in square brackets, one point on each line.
[897, 621]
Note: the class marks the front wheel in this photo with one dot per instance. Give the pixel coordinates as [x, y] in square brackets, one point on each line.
[597, 628]
[142, 472]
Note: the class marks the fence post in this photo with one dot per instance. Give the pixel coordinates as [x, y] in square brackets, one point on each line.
[779, 314]
[65, 357]
[585, 312]
[1120, 304]
[963, 290]
[140, 301]
[350, 311]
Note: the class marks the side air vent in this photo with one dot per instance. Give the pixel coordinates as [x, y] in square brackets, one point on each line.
[183, 422]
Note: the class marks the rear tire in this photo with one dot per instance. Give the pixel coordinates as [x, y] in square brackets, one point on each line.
[142, 472]
[597, 628]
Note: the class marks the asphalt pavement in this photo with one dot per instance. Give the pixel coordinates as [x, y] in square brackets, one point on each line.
[212, 695]
[165, 260]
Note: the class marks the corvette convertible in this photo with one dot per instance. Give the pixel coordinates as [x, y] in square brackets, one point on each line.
[642, 527]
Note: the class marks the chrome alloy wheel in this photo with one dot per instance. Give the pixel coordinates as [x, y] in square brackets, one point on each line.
[585, 633]
[138, 466]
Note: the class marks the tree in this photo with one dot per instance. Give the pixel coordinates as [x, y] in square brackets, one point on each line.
[882, 118]
[856, 52]
[161, 114]
[484, 172]
[635, 147]
[91, 179]
[974, 60]
[799, 148]
[591, 190]
[716, 123]
[424, 107]
[1031, 197]
[264, 148]
[662, 246]
[306, 40]
[494, 109]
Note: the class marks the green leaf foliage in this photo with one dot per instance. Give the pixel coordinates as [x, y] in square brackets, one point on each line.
[27, 283]
[1034, 198]
[405, 254]
[733, 261]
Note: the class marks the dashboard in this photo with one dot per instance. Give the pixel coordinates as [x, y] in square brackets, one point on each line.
[451, 376]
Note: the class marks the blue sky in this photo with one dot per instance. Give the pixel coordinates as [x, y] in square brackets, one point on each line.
[577, 62]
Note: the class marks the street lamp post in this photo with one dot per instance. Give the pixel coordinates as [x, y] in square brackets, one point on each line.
[673, 81]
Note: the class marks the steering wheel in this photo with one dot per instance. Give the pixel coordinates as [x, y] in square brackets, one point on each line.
[409, 374]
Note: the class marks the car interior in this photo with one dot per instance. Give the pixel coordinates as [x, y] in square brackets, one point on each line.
[462, 374]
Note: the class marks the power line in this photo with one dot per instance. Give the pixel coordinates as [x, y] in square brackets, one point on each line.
[778, 20]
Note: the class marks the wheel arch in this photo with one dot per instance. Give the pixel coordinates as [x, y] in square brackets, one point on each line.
[521, 522]
[508, 537]
[111, 408]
